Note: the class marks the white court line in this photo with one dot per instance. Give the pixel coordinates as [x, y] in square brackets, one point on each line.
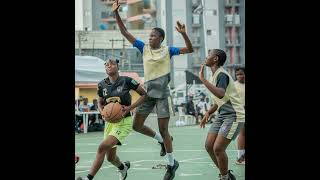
[183, 174]
[128, 151]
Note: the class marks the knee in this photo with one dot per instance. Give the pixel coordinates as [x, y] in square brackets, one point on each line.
[103, 148]
[163, 131]
[218, 150]
[209, 147]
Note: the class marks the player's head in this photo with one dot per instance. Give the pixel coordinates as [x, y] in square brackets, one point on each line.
[95, 101]
[111, 66]
[240, 74]
[85, 101]
[216, 56]
[156, 37]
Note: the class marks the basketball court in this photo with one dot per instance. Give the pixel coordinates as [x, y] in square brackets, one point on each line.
[146, 163]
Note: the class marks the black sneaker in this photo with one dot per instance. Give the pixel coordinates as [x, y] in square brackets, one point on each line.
[231, 176]
[171, 171]
[163, 149]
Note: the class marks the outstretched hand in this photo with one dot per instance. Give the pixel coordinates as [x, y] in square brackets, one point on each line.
[181, 28]
[115, 5]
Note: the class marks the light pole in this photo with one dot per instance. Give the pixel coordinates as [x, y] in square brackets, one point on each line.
[81, 37]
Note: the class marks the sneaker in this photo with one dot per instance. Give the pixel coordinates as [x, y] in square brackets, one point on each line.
[241, 160]
[123, 173]
[163, 149]
[231, 176]
[171, 171]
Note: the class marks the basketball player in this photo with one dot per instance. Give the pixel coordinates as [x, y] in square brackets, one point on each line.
[240, 86]
[115, 88]
[231, 115]
[156, 63]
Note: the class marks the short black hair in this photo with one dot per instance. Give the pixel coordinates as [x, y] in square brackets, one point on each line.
[240, 68]
[160, 31]
[117, 61]
[222, 56]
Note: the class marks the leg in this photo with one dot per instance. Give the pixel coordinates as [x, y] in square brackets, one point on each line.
[115, 160]
[228, 131]
[163, 128]
[105, 146]
[219, 149]
[241, 145]
[112, 155]
[211, 138]
[163, 114]
[138, 125]
[141, 115]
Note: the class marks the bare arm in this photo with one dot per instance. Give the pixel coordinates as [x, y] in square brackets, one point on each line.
[100, 105]
[122, 28]
[212, 109]
[182, 30]
[143, 95]
[219, 92]
[207, 115]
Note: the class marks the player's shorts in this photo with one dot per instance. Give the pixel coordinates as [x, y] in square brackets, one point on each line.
[227, 127]
[161, 104]
[119, 130]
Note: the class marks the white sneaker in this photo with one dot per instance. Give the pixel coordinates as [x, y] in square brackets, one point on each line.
[123, 173]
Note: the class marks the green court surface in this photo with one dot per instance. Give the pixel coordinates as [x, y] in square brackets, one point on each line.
[143, 153]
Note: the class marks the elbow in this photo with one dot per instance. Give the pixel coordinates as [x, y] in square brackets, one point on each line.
[220, 96]
[191, 50]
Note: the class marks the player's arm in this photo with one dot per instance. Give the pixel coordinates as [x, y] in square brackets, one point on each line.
[207, 115]
[143, 95]
[182, 30]
[122, 28]
[100, 104]
[217, 91]
[134, 85]
[212, 109]
[100, 99]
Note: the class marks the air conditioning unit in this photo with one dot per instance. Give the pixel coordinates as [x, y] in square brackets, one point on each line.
[237, 19]
[196, 18]
[229, 18]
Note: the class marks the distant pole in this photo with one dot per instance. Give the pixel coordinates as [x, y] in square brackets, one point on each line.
[93, 48]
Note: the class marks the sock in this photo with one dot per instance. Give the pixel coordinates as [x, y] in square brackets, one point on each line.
[240, 153]
[170, 159]
[121, 167]
[90, 177]
[158, 137]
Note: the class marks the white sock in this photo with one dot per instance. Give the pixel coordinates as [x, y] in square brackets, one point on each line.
[240, 153]
[158, 137]
[170, 159]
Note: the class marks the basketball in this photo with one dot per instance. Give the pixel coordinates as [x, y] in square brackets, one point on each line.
[112, 112]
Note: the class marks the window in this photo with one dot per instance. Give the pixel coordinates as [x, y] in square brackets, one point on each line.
[104, 15]
[214, 12]
[209, 32]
